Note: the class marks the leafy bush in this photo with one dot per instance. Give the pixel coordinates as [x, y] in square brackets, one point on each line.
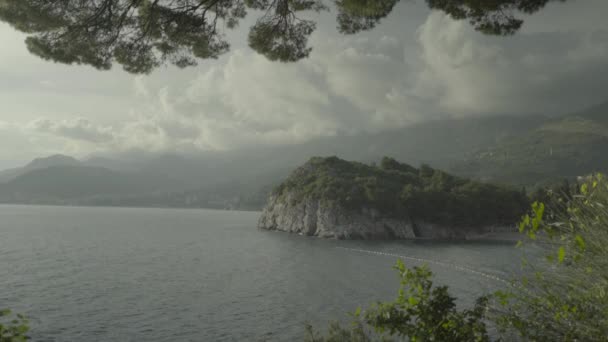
[421, 312]
[566, 299]
[13, 329]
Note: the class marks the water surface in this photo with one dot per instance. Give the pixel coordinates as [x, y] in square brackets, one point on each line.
[107, 274]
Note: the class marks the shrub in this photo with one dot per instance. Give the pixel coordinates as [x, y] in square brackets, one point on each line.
[13, 328]
[421, 312]
[566, 299]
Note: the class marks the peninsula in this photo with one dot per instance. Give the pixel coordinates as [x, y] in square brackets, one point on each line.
[334, 198]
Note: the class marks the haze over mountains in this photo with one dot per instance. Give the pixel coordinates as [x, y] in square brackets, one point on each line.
[39, 163]
[520, 150]
[564, 147]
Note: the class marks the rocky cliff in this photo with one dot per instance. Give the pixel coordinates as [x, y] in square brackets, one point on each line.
[311, 217]
[334, 198]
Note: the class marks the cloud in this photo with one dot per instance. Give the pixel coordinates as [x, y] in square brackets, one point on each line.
[548, 73]
[357, 84]
[139, 86]
[21, 142]
[77, 129]
[388, 78]
[251, 100]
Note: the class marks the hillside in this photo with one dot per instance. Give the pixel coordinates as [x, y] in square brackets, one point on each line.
[75, 184]
[38, 163]
[160, 181]
[439, 143]
[397, 193]
[565, 147]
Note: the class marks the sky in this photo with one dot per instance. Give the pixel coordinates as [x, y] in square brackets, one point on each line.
[417, 65]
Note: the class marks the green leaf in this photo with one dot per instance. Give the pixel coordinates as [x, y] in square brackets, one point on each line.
[561, 254]
[580, 242]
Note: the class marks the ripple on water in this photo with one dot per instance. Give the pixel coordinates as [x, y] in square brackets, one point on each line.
[102, 274]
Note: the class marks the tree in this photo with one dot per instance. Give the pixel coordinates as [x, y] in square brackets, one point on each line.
[142, 35]
[494, 17]
[421, 312]
[566, 299]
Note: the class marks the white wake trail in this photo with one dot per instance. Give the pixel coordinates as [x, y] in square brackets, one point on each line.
[434, 262]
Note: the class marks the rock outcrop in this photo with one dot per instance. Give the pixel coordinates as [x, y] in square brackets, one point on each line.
[313, 218]
[334, 198]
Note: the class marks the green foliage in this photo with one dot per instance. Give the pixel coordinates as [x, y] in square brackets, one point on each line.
[555, 194]
[280, 40]
[337, 333]
[566, 299]
[361, 15]
[490, 17]
[421, 312]
[141, 35]
[400, 190]
[13, 328]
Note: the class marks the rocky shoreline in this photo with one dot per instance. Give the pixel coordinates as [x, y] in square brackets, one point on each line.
[312, 217]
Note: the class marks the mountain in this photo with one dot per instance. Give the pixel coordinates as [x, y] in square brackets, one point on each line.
[440, 143]
[597, 113]
[109, 163]
[565, 147]
[331, 197]
[522, 150]
[39, 163]
[77, 184]
[54, 160]
[242, 178]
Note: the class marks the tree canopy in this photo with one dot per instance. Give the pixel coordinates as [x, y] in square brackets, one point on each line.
[142, 35]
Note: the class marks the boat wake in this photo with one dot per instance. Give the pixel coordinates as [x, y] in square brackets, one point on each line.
[433, 262]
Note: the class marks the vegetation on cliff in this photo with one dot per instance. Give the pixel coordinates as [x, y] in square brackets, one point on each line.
[400, 190]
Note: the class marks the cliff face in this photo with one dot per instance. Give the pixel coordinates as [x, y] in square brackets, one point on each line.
[312, 218]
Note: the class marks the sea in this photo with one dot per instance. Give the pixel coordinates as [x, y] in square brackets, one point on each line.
[129, 274]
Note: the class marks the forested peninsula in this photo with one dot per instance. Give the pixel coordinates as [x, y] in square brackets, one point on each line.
[334, 198]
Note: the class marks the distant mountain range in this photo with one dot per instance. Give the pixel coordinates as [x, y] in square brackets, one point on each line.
[39, 163]
[64, 180]
[523, 150]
